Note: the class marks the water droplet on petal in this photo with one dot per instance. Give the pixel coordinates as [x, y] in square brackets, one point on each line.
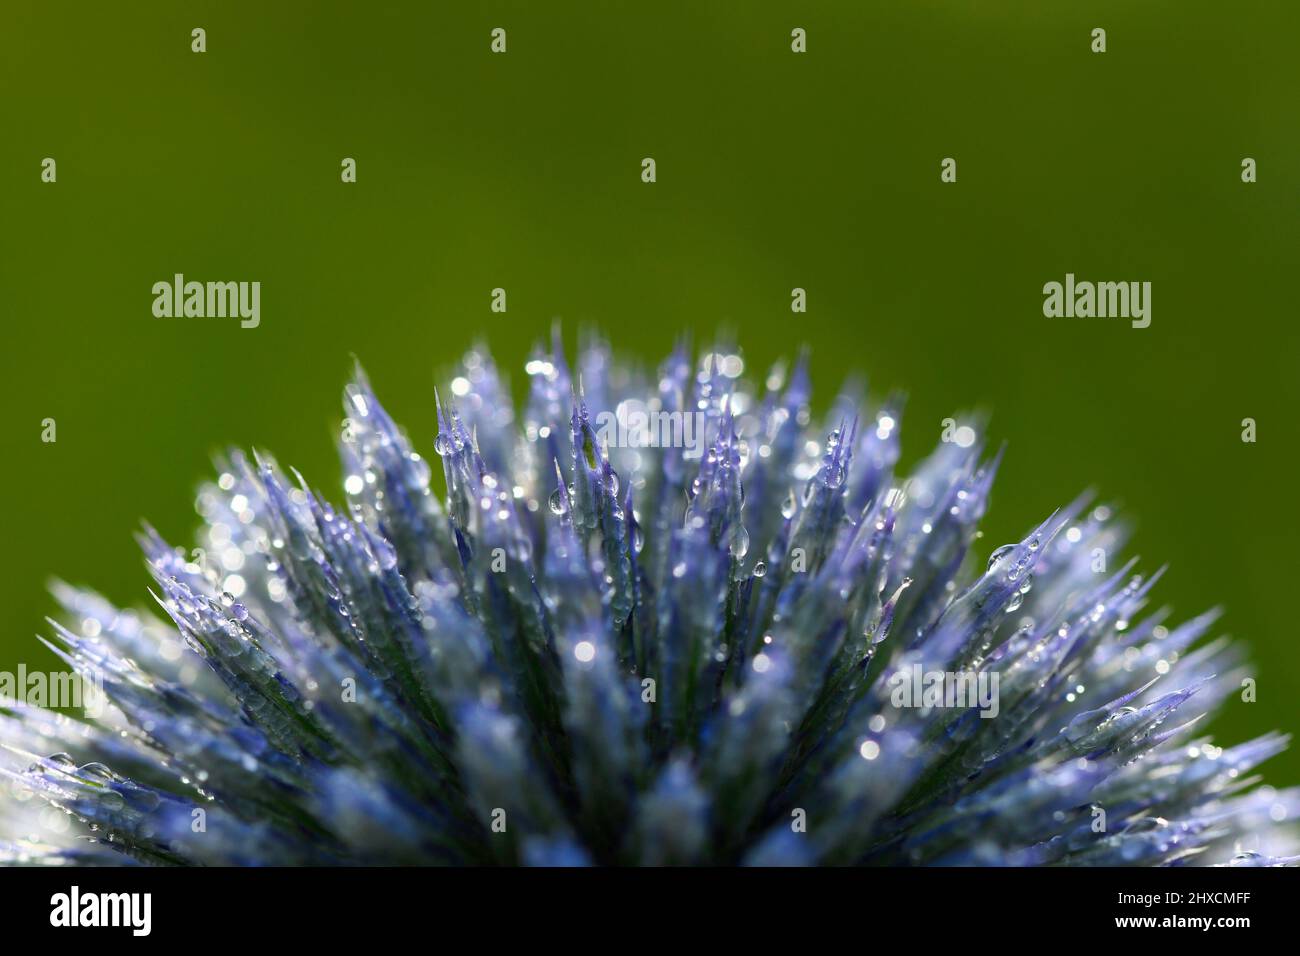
[558, 503]
[100, 772]
[999, 554]
[789, 505]
[739, 542]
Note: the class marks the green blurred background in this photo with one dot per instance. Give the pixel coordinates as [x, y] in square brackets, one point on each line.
[775, 170]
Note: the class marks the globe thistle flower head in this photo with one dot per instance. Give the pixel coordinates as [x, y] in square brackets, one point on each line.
[654, 619]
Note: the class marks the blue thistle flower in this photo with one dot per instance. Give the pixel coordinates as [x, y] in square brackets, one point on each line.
[656, 622]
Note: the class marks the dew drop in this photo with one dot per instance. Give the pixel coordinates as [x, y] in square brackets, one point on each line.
[739, 542]
[789, 505]
[100, 772]
[999, 554]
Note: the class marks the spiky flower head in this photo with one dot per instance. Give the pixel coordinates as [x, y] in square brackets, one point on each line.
[657, 621]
